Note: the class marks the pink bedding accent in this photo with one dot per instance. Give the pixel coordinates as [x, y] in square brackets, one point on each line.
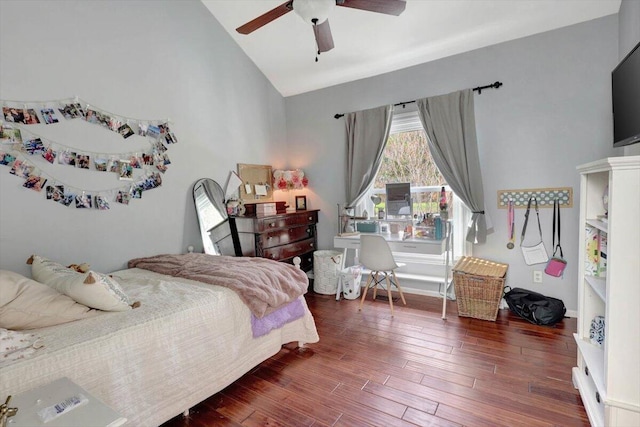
[262, 284]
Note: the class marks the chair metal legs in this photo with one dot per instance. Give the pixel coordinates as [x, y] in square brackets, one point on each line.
[374, 281]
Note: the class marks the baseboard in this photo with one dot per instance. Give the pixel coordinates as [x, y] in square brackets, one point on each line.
[425, 292]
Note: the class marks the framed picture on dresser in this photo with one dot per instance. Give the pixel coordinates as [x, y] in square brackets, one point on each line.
[301, 203]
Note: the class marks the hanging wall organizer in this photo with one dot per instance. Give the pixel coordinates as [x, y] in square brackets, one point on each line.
[545, 197]
[21, 149]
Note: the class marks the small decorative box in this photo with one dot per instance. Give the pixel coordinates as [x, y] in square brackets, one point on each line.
[596, 331]
[366, 227]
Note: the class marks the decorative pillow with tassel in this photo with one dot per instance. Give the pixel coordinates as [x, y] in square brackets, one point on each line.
[93, 289]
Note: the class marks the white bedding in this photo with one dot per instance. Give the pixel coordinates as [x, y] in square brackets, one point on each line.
[187, 341]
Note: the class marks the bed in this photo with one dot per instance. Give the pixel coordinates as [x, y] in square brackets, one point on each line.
[185, 342]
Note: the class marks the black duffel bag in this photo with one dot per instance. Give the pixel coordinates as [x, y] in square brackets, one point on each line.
[534, 307]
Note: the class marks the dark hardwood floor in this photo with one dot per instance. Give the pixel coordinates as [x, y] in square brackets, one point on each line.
[412, 369]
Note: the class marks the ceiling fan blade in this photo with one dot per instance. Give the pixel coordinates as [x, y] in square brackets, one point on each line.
[389, 7]
[323, 36]
[265, 18]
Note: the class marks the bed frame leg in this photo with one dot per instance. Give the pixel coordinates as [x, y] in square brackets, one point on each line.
[185, 413]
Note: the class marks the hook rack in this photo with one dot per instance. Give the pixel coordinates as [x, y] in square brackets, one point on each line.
[545, 197]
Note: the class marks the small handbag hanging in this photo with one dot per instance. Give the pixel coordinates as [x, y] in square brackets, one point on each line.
[536, 254]
[556, 265]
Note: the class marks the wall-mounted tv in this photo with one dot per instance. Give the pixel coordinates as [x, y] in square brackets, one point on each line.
[625, 90]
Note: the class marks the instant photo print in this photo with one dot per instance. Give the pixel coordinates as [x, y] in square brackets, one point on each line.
[126, 170]
[49, 115]
[83, 201]
[21, 169]
[83, 161]
[100, 164]
[49, 155]
[126, 131]
[35, 182]
[72, 111]
[10, 134]
[67, 158]
[102, 203]
[33, 146]
[123, 197]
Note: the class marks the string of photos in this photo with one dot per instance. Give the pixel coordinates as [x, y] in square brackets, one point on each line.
[21, 149]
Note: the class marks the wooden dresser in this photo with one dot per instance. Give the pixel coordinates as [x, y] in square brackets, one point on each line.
[280, 237]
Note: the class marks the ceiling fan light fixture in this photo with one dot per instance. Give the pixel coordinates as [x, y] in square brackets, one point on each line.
[313, 11]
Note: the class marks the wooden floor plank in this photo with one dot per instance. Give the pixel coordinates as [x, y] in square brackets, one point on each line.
[412, 369]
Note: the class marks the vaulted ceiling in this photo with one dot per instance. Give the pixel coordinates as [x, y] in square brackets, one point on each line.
[368, 43]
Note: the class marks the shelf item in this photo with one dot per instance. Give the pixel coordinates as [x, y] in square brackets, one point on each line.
[280, 237]
[608, 377]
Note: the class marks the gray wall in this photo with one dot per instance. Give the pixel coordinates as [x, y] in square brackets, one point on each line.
[174, 60]
[168, 59]
[552, 114]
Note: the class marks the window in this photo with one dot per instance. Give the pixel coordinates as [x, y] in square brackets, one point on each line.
[407, 159]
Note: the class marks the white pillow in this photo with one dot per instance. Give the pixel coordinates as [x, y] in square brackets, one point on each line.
[27, 304]
[95, 290]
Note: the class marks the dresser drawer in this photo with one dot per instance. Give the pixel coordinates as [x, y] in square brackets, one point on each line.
[291, 220]
[306, 261]
[289, 251]
[283, 237]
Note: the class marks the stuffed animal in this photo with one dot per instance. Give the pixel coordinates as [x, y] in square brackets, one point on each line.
[80, 268]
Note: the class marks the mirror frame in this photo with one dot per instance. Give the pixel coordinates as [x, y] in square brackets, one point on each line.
[208, 199]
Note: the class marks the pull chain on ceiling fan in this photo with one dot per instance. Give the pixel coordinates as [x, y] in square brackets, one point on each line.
[316, 12]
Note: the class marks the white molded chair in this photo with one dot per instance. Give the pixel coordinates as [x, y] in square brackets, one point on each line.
[376, 256]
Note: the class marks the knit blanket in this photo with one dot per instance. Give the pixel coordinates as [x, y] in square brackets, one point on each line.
[262, 284]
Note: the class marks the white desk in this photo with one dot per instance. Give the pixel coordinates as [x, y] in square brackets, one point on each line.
[410, 245]
[396, 243]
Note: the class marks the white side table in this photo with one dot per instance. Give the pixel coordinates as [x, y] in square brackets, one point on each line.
[92, 414]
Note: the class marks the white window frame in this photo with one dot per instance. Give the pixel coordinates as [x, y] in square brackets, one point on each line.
[408, 122]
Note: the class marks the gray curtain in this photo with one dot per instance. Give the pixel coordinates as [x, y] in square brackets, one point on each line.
[367, 133]
[449, 121]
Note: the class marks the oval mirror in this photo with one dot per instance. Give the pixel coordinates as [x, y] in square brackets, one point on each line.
[208, 197]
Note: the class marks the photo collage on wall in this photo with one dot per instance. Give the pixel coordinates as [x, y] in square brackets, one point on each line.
[21, 149]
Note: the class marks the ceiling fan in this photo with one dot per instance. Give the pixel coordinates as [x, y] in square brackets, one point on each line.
[316, 12]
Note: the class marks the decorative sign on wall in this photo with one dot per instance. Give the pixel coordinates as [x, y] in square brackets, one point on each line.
[545, 197]
[21, 149]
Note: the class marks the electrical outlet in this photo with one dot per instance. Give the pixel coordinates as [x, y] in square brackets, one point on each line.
[537, 276]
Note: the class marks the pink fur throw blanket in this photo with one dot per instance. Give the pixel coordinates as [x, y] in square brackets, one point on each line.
[262, 284]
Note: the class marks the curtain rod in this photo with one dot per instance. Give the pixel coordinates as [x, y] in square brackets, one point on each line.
[495, 85]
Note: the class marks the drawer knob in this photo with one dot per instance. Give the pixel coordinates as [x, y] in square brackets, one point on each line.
[311, 244]
[272, 224]
[310, 218]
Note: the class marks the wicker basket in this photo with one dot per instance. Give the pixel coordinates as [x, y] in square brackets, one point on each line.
[479, 285]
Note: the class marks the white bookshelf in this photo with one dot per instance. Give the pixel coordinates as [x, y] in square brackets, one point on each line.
[609, 377]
